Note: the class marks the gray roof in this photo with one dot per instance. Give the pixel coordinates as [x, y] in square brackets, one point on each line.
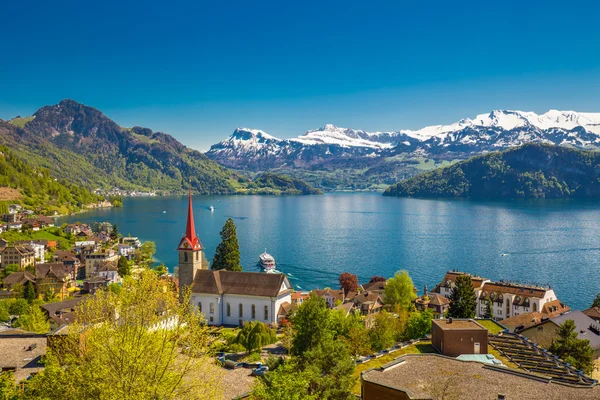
[244, 283]
[583, 323]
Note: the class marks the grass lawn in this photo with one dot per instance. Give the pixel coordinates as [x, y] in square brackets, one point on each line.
[504, 360]
[491, 326]
[12, 236]
[419, 348]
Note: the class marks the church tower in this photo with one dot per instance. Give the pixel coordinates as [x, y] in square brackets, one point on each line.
[190, 251]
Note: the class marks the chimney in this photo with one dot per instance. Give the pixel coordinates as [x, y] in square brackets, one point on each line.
[501, 396]
[450, 320]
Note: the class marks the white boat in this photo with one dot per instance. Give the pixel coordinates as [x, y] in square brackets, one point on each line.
[267, 261]
[164, 212]
[211, 208]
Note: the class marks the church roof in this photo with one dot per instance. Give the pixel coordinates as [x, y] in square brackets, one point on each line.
[242, 283]
[190, 241]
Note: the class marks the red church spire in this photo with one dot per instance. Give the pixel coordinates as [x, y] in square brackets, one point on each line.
[190, 240]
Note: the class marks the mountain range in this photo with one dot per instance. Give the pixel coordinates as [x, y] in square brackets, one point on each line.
[376, 158]
[83, 146]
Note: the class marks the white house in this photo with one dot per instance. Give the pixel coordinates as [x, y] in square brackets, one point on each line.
[108, 270]
[232, 298]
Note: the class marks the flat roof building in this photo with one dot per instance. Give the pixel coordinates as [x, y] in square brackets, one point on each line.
[453, 337]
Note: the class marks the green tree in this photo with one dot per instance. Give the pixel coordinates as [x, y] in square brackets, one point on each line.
[311, 323]
[463, 301]
[571, 349]
[29, 292]
[8, 389]
[596, 302]
[286, 382]
[145, 254]
[123, 267]
[227, 255]
[418, 324]
[9, 269]
[384, 331]
[161, 270]
[34, 320]
[254, 335]
[4, 314]
[489, 309]
[142, 343]
[115, 231]
[19, 307]
[399, 291]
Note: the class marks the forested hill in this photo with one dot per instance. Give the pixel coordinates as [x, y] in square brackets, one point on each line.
[81, 144]
[529, 171]
[270, 183]
[36, 189]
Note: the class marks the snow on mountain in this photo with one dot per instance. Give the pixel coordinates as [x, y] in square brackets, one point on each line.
[499, 129]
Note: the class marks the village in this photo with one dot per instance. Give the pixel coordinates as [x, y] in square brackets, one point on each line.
[517, 338]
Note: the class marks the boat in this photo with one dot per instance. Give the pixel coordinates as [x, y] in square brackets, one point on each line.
[164, 212]
[267, 261]
[211, 208]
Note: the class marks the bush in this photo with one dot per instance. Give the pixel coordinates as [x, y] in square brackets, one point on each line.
[19, 307]
[254, 335]
[253, 357]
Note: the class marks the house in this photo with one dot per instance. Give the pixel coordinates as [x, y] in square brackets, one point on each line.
[347, 308]
[93, 261]
[39, 248]
[332, 297]
[23, 256]
[45, 222]
[510, 299]
[14, 226]
[2, 227]
[132, 241]
[378, 286]
[368, 302]
[22, 353]
[434, 376]
[53, 277]
[453, 337]
[546, 331]
[527, 320]
[102, 227]
[109, 271]
[62, 312]
[435, 302]
[72, 229]
[94, 283]
[593, 313]
[126, 250]
[227, 297]
[448, 283]
[299, 297]
[19, 278]
[71, 262]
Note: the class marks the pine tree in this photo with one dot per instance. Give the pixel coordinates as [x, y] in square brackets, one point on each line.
[463, 299]
[571, 349]
[489, 309]
[29, 292]
[227, 255]
[596, 302]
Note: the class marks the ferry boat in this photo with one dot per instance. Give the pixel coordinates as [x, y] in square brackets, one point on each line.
[267, 261]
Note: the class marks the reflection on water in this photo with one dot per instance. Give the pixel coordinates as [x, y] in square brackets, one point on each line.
[315, 238]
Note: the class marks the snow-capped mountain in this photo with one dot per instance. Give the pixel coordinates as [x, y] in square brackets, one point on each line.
[331, 145]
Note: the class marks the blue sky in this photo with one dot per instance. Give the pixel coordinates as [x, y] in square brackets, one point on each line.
[200, 69]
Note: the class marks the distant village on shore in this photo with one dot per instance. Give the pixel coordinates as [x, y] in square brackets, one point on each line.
[517, 338]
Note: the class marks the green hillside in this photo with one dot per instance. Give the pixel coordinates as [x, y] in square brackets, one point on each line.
[529, 171]
[35, 189]
[269, 183]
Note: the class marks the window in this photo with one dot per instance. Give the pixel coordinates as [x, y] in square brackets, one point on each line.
[185, 257]
[253, 311]
[266, 313]
[197, 255]
[534, 307]
[241, 310]
[212, 308]
[228, 310]
[200, 306]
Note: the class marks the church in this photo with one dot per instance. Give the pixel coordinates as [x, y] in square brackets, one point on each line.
[228, 297]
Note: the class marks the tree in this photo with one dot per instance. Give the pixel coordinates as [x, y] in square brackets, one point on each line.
[123, 267]
[384, 331]
[489, 309]
[287, 338]
[377, 279]
[286, 382]
[19, 307]
[358, 340]
[571, 349]
[9, 269]
[596, 302]
[254, 335]
[8, 389]
[418, 324]
[115, 231]
[29, 292]
[348, 282]
[399, 290]
[227, 255]
[34, 320]
[145, 254]
[141, 343]
[311, 322]
[161, 270]
[463, 301]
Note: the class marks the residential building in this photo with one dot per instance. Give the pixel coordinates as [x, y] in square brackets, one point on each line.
[14, 226]
[368, 302]
[445, 288]
[434, 376]
[526, 320]
[453, 337]
[93, 283]
[61, 313]
[23, 256]
[299, 297]
[435, 302]
[126, 250]
[102, 227]
[226, 297]
[19, 278]
[378, 287]
[109, 271]
[132, 241]
[546, 331]
[71, 262]
[53, 277]
[93, 261]
[593, 313]
[39, 248]
[333, 297]
[510, 299]
[22, 353]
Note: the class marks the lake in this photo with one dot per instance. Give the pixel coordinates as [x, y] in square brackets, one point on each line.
[315, 238]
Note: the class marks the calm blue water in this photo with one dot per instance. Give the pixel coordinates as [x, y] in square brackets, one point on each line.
[315, 238]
